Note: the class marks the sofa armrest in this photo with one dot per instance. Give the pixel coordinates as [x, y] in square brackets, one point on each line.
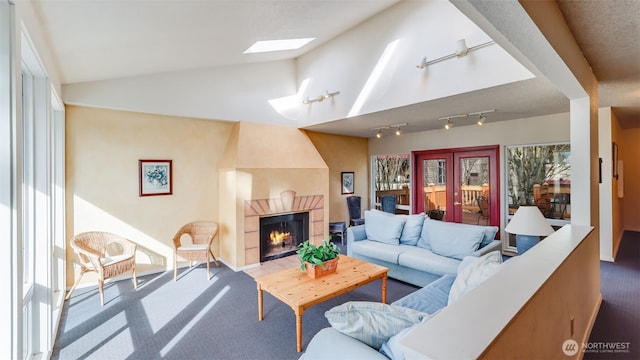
[330, 344]
[355, 233]
[492, 246]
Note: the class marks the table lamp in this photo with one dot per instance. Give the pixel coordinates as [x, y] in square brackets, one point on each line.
[528, 225]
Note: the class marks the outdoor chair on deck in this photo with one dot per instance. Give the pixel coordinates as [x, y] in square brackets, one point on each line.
[201, 234]
[107, 254]
[483, 204]
[388, 203]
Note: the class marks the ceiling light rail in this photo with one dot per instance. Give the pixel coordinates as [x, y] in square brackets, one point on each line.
[379, 129]
[320, 98]
[461, 50]
[482, 118]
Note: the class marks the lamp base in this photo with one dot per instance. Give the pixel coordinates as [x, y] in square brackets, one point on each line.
[526, 242]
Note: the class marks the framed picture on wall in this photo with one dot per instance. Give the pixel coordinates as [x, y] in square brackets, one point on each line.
[347, 182]
[155, 177]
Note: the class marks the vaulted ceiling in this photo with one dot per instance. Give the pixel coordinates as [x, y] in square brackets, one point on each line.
[99, 40]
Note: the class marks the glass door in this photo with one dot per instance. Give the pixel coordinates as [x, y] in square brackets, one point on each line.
[460, 185]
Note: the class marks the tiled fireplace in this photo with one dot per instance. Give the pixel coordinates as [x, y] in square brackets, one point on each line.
[285, 222]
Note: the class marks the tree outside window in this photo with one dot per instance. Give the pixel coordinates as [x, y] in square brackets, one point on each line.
[540, 175]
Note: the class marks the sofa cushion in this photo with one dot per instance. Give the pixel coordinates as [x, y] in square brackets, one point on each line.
[330, 344]
[431, 298]
[425, 260]
[412, 228]
[472, 272]
[372, 323]
[383, 227]
[423, 241]
[453, 240]
[377, 250]
[489, 235]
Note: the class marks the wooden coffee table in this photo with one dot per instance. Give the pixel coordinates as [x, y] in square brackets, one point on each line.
[294, 288]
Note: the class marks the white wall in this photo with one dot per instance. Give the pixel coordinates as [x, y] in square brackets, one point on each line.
[373, 65]
[606, 187]
[356, 64]
[243, 92]
[535, 130]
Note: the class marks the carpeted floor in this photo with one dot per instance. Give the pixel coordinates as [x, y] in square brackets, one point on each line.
[192, 319]
[616, 332]
[196, 319]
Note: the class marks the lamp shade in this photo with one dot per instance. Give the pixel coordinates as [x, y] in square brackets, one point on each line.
[528, 220]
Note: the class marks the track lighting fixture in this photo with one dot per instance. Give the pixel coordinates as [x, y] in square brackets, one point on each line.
[379, 129]
[481, 120]
[321, 98]
[448, 125]
[422, 64]
[461, 50]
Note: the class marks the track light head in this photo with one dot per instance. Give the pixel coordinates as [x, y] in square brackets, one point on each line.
[448, 125]
[481, 120]
[398, 132]
[422, 64]
[379, 134]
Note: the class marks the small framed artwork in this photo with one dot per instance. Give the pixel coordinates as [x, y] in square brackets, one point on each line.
[155, 177]
[347, 182]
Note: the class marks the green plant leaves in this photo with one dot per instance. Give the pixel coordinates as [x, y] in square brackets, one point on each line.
[317, 255]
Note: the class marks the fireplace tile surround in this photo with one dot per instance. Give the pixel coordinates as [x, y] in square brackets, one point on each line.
[287, 203]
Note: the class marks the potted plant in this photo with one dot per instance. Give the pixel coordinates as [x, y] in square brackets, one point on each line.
[318, 260]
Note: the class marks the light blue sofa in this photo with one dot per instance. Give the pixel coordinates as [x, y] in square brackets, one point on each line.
[331, 344]
[367, 330]
[416, 249]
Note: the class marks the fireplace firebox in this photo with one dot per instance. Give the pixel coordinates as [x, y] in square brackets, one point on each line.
[280, 235]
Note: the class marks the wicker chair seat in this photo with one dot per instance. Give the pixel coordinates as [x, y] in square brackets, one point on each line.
[201, 234]
[107, 254]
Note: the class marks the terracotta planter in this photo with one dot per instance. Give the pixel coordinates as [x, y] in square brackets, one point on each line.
[330, 266]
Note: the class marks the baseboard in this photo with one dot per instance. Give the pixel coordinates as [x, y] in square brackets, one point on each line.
[592, 321]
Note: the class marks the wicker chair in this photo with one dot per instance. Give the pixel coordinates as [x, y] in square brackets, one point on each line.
[107, 254]
[201, 234]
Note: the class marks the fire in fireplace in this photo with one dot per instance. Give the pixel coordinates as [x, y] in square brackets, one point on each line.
[280, 235]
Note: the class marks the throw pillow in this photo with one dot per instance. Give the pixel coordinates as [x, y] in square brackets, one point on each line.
[372, 323]
[392, 348]
[489, 235]
[453, 240]
[412, 229]
[383, 227]
[423, 241]
[472, 272]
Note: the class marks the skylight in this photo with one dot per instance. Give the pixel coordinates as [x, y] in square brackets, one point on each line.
[277, 45]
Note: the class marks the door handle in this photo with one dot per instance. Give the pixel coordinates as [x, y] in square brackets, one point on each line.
[457, 203]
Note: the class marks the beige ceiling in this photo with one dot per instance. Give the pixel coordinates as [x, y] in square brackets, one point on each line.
[96, 40]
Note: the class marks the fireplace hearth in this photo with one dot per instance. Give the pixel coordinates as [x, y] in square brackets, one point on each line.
[280, 235]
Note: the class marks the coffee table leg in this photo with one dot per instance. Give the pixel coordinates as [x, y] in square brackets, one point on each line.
[259, 303]
[384, 288]
[299, 330]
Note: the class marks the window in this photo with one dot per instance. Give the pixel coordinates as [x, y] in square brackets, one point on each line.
[392, 176]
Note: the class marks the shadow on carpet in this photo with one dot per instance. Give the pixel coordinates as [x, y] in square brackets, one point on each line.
[192, 318]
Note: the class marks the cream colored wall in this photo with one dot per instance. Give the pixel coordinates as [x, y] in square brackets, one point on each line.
[260, 162]
[617, 211]
[630, 155]
[102, 152]
[344, 154]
